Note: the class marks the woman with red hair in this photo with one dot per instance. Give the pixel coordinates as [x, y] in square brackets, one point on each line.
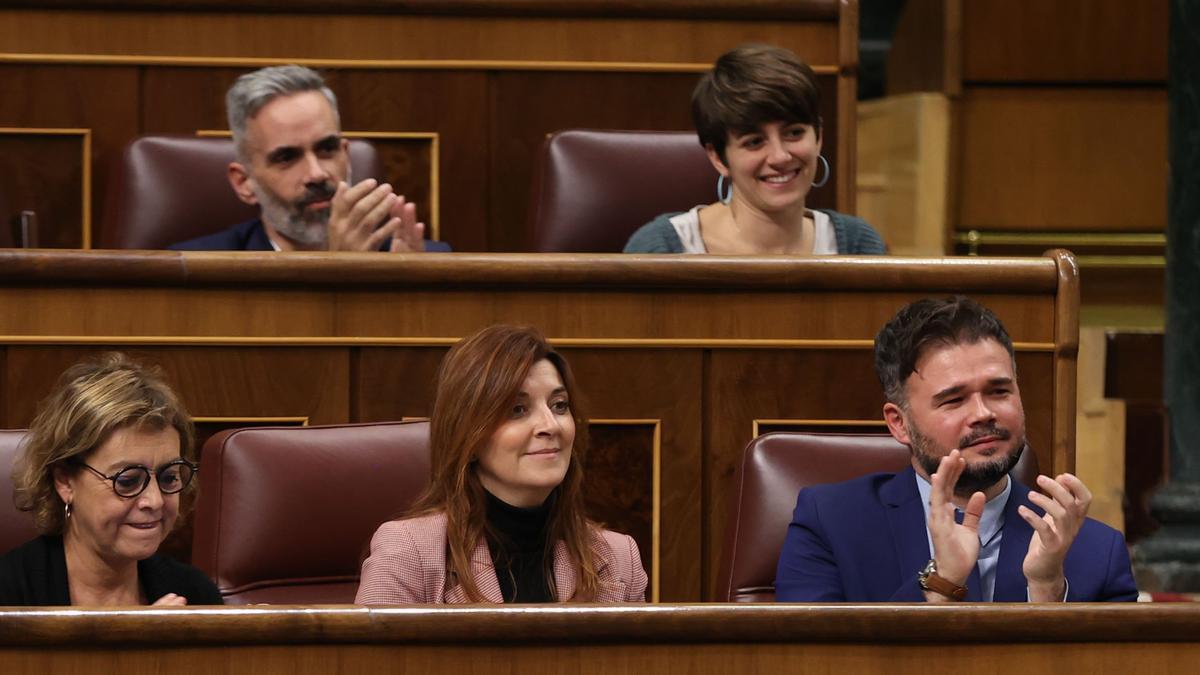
[503, 519]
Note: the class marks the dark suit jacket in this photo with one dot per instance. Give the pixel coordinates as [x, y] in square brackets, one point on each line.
[251, 236]
[864, 540]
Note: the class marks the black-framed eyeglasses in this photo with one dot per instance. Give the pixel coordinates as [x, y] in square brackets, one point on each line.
[131, 481]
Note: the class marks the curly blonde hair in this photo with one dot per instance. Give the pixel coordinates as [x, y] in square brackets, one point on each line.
[91, 400]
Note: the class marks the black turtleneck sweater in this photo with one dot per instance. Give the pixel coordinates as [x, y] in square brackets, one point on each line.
[517, 542]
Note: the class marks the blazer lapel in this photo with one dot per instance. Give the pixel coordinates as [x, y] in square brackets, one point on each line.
[1014, 544]
[484, 572]
[906, 521]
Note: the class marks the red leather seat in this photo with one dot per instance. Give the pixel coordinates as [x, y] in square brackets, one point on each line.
[168, 189]
[16, 527]
[286, 514]
[596, 188]
[775, 467]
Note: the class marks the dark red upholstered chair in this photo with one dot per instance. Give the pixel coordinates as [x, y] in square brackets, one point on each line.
[285, 514]
[167, 189]
[775, 467]
[16, 527]
[596, 188]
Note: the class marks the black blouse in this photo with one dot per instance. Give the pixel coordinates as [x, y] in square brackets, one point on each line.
[35, 575]
[517, 542]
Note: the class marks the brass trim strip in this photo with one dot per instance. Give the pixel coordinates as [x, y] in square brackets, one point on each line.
[1140, 262]
[85, 134]
[984, 237]
[656, 498]
[434, 139]
[217, 419]
[388, 64]
[695, 343]
[815, 423]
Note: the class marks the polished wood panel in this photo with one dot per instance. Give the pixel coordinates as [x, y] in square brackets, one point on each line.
[693, 639]
[101, 99]
[1042, 160]
[1064, 40]
[700, 348]
[242, 37]
[48, 172]
[739, 9]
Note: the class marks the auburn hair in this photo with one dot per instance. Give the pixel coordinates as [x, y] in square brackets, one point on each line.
[477, 384]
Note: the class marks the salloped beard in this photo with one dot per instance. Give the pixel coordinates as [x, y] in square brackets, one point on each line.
[978, 476]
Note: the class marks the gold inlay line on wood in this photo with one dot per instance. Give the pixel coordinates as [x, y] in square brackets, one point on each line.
[817, 423]
[631, 343]
[383, 64]
[655, 500]
[203, 419]
[85, 177]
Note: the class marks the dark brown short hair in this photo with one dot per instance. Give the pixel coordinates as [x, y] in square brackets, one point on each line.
[750, 86]
[923, 324]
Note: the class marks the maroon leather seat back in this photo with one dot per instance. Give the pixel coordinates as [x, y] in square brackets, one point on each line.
[167, 189]
[596, 188]
[16, 527]
[286, 514]
[775, 467]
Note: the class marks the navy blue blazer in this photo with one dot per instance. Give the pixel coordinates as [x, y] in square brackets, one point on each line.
[864, 540]
[252, 236]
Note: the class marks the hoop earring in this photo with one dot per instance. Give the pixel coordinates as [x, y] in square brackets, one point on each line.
[724, 195]
[67, 510]
[824, 162]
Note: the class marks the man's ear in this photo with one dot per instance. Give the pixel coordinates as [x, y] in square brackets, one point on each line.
[241, 182]
[896, 423]
[62, 484]
[716, 160]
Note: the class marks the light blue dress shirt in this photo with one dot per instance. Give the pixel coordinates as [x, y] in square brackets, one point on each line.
[991, 526]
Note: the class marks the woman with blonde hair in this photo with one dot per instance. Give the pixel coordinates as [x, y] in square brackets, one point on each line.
[101, 471]
[503, 519]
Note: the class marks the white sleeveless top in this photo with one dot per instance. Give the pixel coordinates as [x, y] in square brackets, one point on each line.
[687, 226]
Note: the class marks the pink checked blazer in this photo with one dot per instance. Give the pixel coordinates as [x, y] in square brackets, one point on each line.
[407, 565]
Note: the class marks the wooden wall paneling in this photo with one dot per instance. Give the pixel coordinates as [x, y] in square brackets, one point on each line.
[1064, 40]
[211, 313]
[664, 385]
[48, 171]
[1046, 160]
[239, 382]
[5, 422]
[400, 36]
[728, 638]
[182, 100]
[392, 383]
[102, 99]
[747, 385]
[526, 106]
[451, 104]
[621, 488]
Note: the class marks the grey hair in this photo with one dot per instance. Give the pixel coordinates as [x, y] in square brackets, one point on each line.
[254, 90]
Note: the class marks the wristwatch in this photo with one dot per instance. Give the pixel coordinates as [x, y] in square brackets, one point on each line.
[930, 581]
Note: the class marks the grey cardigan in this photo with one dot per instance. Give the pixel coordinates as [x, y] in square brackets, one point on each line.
[854, 236]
